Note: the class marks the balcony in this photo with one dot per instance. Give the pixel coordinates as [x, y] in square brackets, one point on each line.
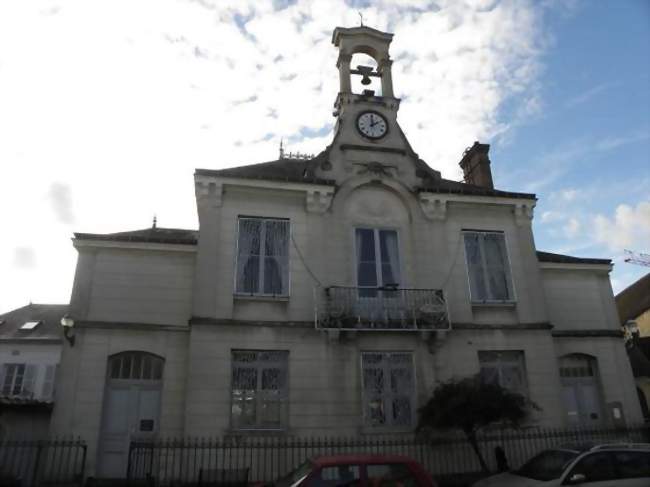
[383, 308]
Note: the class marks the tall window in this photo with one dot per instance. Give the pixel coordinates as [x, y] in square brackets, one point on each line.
[505, 368]
[580, 389]
[488, 267]
[388, 389]
[263, 257]
[18, 380]
[259, 389]
[377, 260]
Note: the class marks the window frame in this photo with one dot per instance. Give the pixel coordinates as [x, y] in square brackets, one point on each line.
[262, 256]
[365, 400]
[512, 298]
[259, 398]
[28, 379]
[378, 270]
[525, 391]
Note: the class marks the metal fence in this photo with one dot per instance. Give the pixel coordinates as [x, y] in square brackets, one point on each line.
[182, 461]
[52, 462]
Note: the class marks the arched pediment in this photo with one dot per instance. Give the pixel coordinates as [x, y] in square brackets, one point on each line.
[373, 202]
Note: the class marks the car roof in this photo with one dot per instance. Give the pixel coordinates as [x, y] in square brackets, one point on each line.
[328, 460]
[592, 446]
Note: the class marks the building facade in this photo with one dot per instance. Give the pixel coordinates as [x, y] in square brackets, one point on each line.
[329, 295]
[30, 349]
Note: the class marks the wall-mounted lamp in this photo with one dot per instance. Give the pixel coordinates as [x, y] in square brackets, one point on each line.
[68, 323]
[630, 332]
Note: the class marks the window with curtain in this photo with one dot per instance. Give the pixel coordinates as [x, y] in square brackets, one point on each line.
[259, 389]
[18, 380]
[388, 389]
[488, 267]
[505, 368]
[377, 260]
[263, 257]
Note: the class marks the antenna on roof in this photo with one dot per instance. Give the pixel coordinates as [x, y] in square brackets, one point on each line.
[155, 220]
[360, 18]
[281, 149]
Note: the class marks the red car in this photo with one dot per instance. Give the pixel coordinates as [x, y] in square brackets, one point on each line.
[358, 471]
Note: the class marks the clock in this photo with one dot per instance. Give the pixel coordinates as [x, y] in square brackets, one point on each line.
[372, 125]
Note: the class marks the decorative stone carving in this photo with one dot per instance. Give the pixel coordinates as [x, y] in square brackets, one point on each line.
[433, 206]
[319, 201]
[524, 213]
[208, 194]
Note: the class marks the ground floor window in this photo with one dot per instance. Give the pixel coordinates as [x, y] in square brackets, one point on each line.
[388, 389]
[504, 367]
[581, 389]
[259, 389]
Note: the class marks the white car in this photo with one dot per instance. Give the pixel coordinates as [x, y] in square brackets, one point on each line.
[607, 465]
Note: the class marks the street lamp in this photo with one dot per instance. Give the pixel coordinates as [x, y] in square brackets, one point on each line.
[68, 323]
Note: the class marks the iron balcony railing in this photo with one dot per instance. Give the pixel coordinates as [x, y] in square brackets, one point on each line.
[382, 308]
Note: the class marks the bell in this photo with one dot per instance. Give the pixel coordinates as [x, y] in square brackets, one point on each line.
[365, 80]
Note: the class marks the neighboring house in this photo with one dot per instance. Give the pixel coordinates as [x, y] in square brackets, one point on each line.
[30, 350]
[329, 295]
[633, 305]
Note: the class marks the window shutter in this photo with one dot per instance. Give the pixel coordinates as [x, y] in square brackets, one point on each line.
[28, 380]
[48, 383]
[3, 374]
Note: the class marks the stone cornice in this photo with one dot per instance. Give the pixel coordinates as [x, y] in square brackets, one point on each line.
[500, 326]
[434, 205]
[201, 320]
[605, 268]
[587, 333]
[130, 326]
[152, 246]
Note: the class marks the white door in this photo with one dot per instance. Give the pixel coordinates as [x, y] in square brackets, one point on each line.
[131, 409]
[581, 391]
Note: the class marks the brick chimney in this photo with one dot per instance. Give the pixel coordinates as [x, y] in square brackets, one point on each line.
[476, 166]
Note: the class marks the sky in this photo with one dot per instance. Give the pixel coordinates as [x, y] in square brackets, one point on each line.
[107, 107]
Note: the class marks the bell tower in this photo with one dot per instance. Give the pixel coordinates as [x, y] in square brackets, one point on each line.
[368, 141]
[368, 41]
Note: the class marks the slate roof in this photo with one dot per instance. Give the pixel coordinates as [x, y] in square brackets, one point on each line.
[634, 299]
[303, 171]
[568, 259]
[147, 235]
[49, 314]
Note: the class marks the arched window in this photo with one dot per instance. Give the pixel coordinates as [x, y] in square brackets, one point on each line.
[581, 389]
[135, 366]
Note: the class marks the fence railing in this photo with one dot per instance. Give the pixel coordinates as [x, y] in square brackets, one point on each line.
[183, 461]
[382, 308]
[37, 462]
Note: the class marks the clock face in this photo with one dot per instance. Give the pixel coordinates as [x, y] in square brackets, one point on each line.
[372, 125]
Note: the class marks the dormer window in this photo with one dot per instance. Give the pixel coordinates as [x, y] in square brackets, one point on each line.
[30, 325]
[262, 257]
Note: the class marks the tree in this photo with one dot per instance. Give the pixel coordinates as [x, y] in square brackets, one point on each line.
[470, 404]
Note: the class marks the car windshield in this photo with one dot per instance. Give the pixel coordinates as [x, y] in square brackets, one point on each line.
[548, 465]
[294, 476]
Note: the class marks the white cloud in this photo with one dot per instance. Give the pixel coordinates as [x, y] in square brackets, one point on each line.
[629, 228]
[123, 100]
[586, 95]
[572, 227]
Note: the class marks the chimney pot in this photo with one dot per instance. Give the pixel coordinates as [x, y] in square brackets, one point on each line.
[476, 166]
